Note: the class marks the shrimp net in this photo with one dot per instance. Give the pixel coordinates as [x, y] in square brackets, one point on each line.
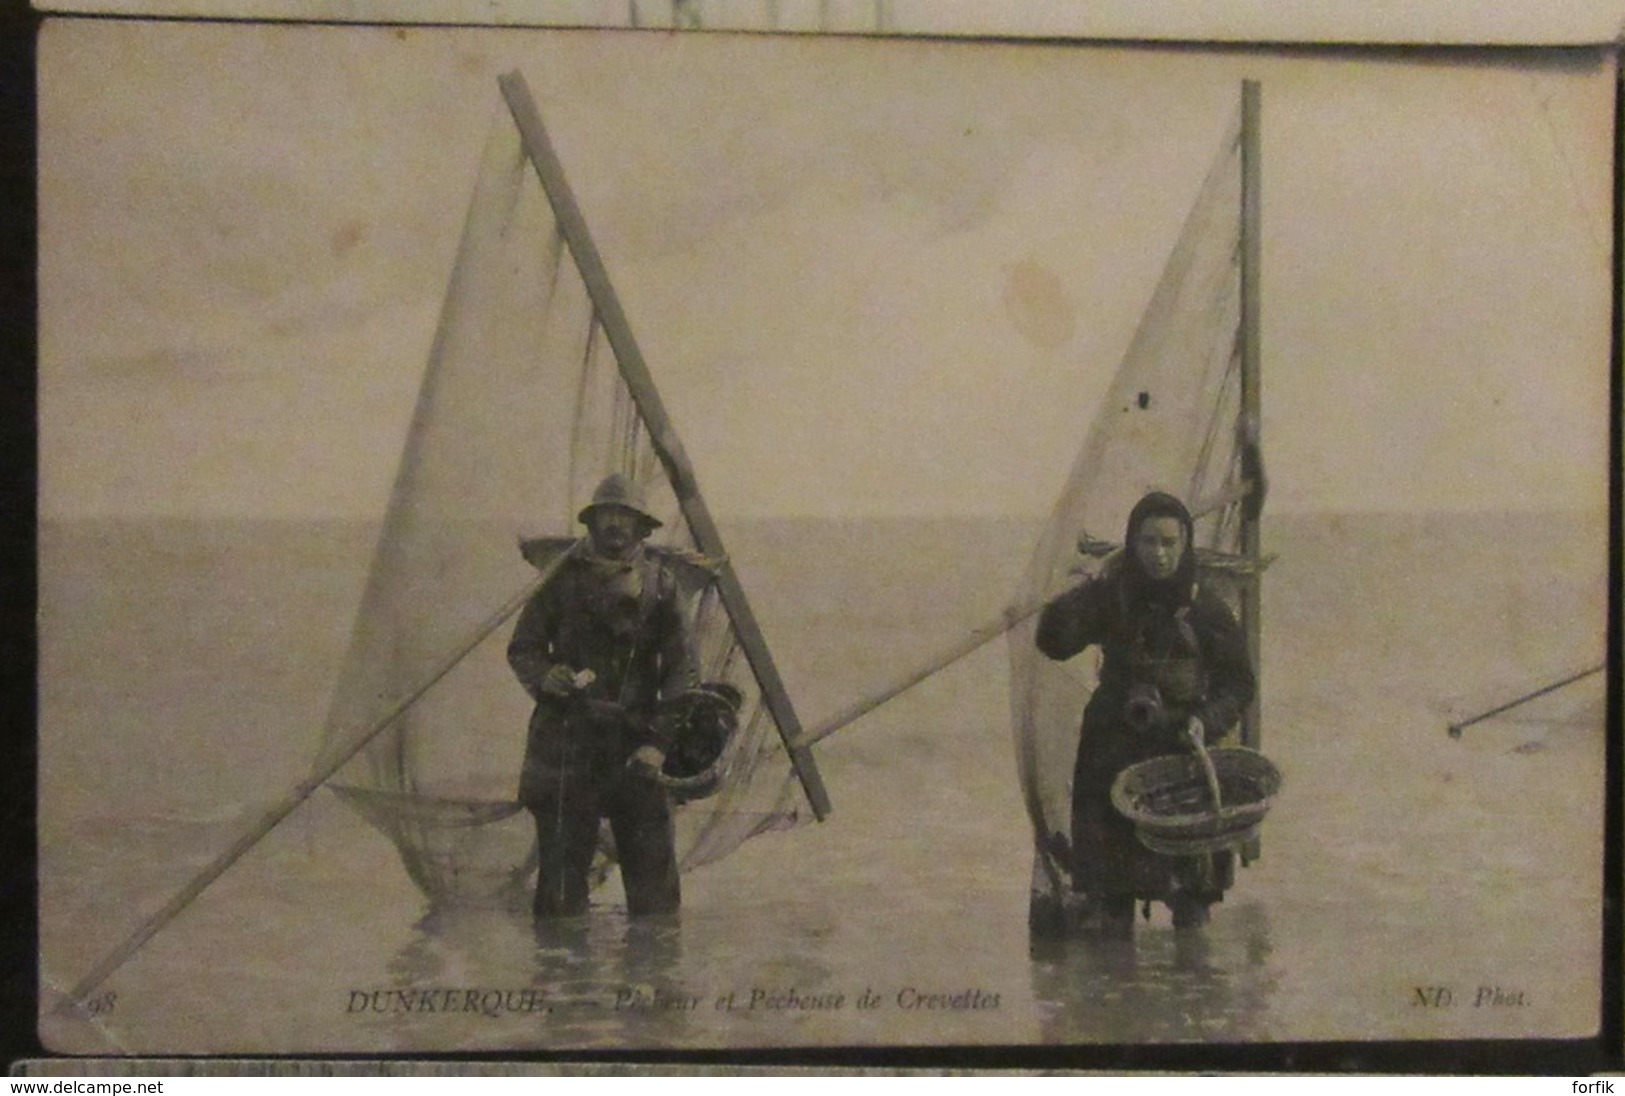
[1169, 422]
[524, 407]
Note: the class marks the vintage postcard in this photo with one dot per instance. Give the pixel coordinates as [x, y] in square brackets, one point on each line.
[545, 537]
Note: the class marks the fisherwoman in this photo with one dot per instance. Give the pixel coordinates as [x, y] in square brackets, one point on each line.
[1174, 672]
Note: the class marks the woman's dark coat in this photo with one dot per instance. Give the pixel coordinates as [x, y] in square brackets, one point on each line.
[1145, 628]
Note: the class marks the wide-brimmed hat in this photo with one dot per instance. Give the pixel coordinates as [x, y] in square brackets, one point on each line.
[619, 490]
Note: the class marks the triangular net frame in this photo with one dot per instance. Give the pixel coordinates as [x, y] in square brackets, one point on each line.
[1171, 420]
[532, 394]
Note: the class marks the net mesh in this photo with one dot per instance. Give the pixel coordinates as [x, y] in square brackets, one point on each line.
[522, 411]
[1168, 422]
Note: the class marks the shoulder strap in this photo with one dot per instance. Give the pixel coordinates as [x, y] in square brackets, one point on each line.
[654, 576]
[1187, 631]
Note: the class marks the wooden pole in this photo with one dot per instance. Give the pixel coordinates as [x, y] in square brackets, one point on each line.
[1008, 618]
[286, 805]
[635, 371]
[1252, 724]
[1251, 387]
[1457, 728]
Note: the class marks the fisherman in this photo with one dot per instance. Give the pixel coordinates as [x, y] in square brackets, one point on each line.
[1174, 672]
[598, 647]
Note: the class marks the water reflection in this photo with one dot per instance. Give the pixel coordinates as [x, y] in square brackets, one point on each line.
[612, 980]
[1209, 985]
[601, 979]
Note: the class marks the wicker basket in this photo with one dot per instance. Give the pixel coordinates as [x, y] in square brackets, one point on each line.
[1169, 801]
[703, 723]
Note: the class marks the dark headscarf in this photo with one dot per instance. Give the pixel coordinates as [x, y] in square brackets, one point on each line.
[1177, 589]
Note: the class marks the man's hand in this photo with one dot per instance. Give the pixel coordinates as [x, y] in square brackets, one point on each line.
[560, 681]
[646, 761]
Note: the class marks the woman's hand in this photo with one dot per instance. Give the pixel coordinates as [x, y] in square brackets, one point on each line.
[1195, 732]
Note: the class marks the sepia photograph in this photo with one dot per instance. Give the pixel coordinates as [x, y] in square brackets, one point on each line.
[607, 540]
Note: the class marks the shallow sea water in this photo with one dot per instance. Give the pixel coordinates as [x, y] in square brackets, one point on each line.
[185, 667]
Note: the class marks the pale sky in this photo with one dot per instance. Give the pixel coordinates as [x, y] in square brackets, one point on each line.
[869, 276]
